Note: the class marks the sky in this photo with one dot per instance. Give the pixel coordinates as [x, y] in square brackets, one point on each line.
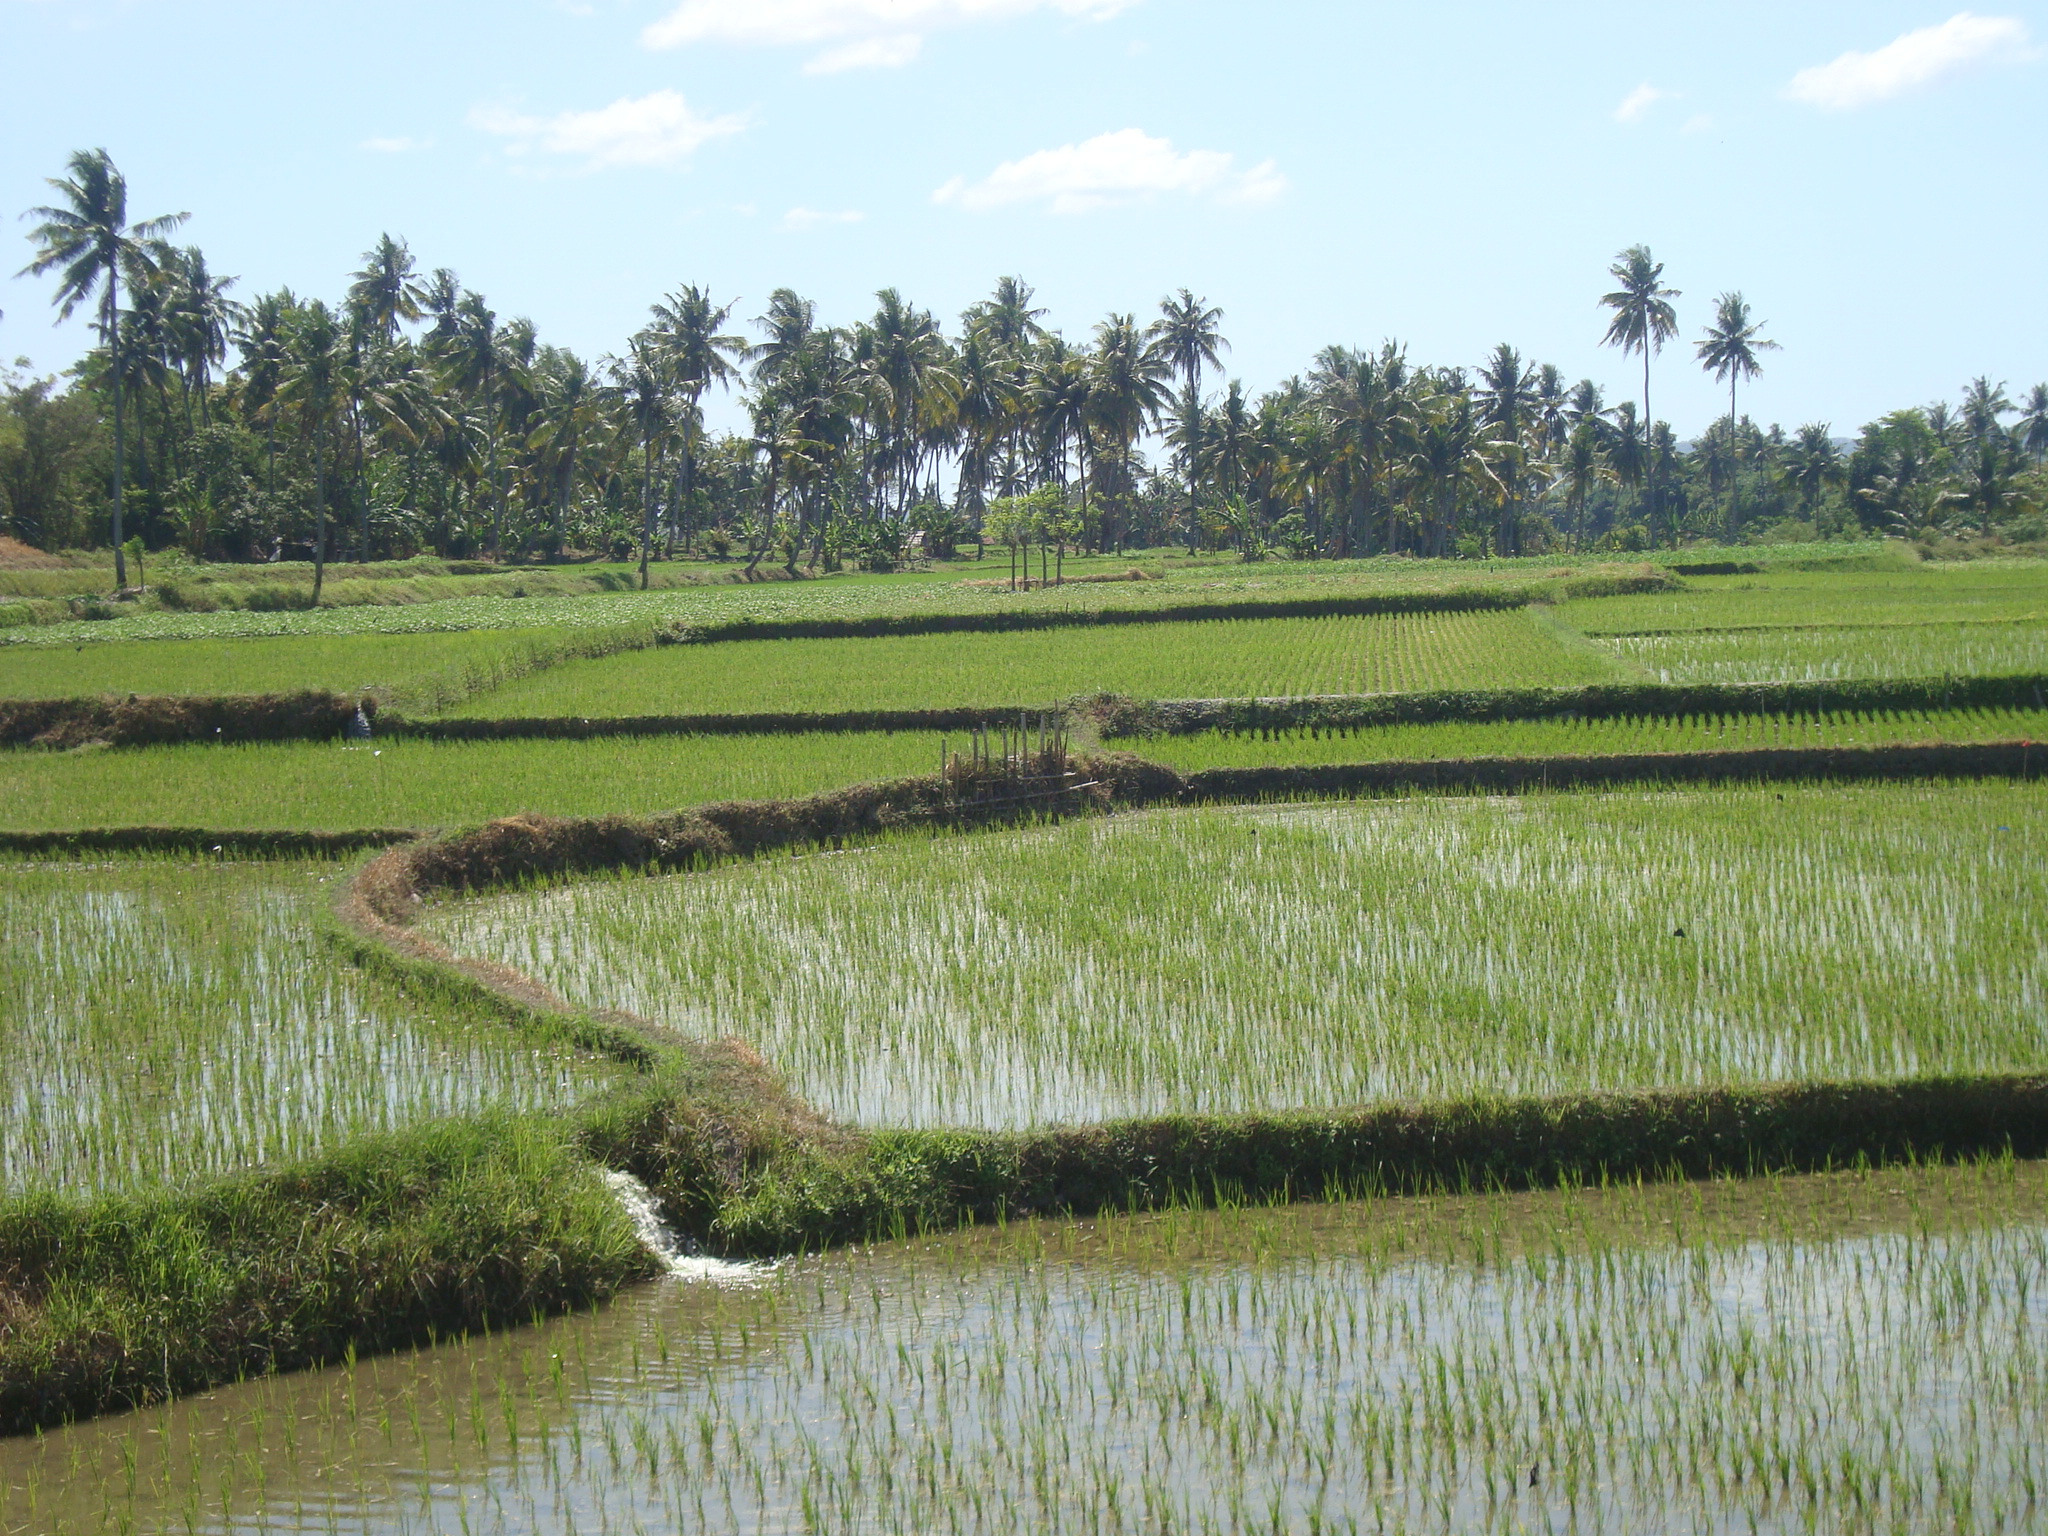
[1450, 175]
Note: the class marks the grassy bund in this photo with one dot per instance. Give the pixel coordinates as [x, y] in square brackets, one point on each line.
[300, 1224]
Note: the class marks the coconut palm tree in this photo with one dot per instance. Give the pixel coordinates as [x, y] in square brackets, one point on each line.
[387, 289]
[1127, 389]
[1983, 404]
[1584, 467]
[1369, 405]
[1059, 405]
[1508, 406]
[642, 392]
[313, 383]
[1643, 321]
[696, 355]
[1811, 464]
[1729, 347]
[88, 241]
[471, 358]
[2033, 423]
[569, 414]
[1189, 335]
[260, 337]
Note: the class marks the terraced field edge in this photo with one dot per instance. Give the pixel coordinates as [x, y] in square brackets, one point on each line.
[775, 1178]
[317, 716]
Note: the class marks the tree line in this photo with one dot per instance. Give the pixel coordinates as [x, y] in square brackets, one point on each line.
[408, 417]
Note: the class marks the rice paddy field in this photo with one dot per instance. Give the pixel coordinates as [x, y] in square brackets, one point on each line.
[1580, 737]
[409, 782]
[1851, 1353]
[348, 663]
[1860, 1351]
[1816, 655]
[1980, 592]
[164, 1022]
[1324, 955]
[1220, 659]
[843, 596]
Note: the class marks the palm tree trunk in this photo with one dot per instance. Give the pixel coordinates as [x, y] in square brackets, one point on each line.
[112, 327]
[1649, 460]
[319, 512]
[646, 504]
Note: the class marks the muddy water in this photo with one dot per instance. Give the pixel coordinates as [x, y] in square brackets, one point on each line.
[1853, 1352]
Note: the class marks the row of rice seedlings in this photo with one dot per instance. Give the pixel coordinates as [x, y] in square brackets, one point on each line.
[162, 1022]
[344, 663]
[846, 596]
[1855, 1353]
[1577, 737]
[1984, 591]
[413, 783]
[1225, 659]
[1234, 959]
[1822, 655]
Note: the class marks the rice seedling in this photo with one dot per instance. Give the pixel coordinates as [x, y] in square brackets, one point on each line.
[1310, 955]
[2004, 591]
[836, 597]
[344, 663]
[407, 782]
[1225, 659]
[1574, 737]
[1850, 1353]
[163, 1022]
[1812, 655]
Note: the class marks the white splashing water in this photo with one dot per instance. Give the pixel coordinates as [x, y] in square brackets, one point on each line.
[662, 1241]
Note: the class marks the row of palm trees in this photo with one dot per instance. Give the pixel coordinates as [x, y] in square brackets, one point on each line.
[409, 416]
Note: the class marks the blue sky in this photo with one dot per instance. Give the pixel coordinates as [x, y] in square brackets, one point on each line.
[1451, 175]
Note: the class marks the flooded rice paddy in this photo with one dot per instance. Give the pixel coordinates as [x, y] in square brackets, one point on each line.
[1325, 955]
[163, 1021]
[1826, 655]
[1856, 1352]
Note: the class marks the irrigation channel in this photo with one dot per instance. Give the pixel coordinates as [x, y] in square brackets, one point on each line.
[1848, 1352]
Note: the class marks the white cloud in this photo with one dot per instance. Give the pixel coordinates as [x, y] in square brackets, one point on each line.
[1115, 168]
[657, 129]
[1699, 122]
[398, 146]
[811, 218]
[1635, 106]
[1908, 62]
[868, 53]
[867, 33]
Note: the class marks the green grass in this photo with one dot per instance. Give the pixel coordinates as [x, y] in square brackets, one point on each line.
[1550, 738]
[1217, 960]
[343, 663]
[1812, 655]
[163, 1023]
[2000, 591]
[959, 591]
[1840, 1354]
[1225, 659]
[324, 786]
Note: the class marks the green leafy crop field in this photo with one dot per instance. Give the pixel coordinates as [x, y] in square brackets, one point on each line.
[412, 783]
[1220, 659]
[1318, 955]
[163, 1022]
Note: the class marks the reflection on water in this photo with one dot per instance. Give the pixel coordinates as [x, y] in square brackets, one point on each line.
[166, 1021]
[1856, 1352]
